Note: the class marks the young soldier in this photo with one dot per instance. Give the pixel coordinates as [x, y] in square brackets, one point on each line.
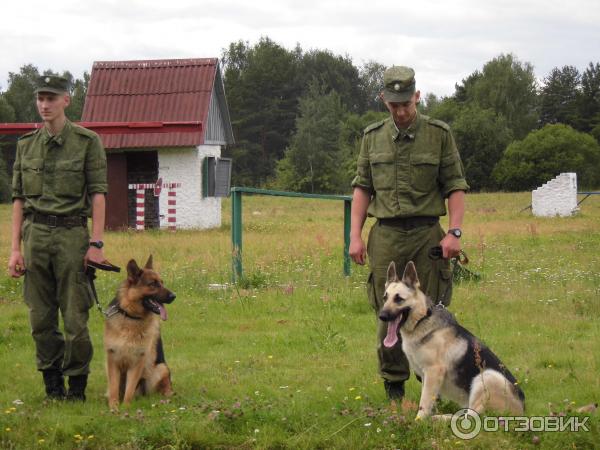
[408, 166]
[59, 180]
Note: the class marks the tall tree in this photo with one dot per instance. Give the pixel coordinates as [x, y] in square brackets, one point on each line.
[20, 93]
[481, 136]
[371, 84]
[313, 162]
[559, 96]
[78, 92]
[590, 97]
[333, 72]
[262, 95]
[507, 87]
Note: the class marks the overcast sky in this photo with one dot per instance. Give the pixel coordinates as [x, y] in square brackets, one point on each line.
[444, 41]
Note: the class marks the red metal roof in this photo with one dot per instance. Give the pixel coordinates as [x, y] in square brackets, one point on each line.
[155, 90]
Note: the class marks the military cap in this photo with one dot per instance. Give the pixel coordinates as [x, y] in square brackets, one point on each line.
[398, 84]
[52, 83]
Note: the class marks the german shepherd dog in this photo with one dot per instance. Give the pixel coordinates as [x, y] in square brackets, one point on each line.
[135, 361]
[446, 357]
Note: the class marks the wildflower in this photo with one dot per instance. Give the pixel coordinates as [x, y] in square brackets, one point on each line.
[41, 441]
[358, 397]
[91, 436]
[351, 389]
[368, 424]
[7, 429]
[378, 430]
[270, 356]
[256, 430]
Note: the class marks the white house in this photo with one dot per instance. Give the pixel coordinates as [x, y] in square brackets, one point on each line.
[167, 179]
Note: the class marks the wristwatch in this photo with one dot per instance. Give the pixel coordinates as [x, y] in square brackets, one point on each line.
[456, 232]
[97, 244]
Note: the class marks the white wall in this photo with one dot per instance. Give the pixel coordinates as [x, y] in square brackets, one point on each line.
[184, 166]
[557, 197]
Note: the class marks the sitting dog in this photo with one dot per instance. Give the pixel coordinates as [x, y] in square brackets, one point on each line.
[135, 361]
[446, 357]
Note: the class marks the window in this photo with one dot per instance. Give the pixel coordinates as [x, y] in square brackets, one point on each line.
[216, 177]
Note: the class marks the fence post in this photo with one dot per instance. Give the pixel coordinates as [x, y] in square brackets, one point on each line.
[347, 224]
[236, 233]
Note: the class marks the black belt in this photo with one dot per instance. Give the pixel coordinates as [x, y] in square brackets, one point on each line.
[59, 221]
[408, 223]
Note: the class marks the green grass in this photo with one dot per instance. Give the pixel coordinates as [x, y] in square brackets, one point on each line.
[288, 359]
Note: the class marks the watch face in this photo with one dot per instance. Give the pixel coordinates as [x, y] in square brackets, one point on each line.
[456, 232]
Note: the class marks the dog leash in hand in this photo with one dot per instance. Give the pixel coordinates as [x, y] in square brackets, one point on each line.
[436, 253]
[90, 273]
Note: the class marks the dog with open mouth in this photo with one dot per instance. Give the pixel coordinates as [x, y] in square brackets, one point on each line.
[135, 360]
[445, 357]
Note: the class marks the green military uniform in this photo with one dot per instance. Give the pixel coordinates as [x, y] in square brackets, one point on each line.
[55, 176]
[409, 174]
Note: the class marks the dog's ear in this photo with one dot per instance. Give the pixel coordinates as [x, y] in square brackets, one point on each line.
[392, 276]
[410, 275]
[149, 263]
[133, 271]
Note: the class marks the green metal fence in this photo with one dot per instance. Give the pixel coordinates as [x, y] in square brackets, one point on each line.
[236, 222]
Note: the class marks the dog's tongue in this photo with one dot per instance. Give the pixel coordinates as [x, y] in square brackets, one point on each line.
[392, 332]
[163, 311]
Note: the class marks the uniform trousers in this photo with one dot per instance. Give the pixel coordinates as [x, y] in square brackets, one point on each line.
[55, 281]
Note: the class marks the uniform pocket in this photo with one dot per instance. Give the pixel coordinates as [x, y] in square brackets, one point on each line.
[32, 176]
[445, 286]
[383, 171]
[424, 172]
[69, 178]
[85, 291]
[371, 292]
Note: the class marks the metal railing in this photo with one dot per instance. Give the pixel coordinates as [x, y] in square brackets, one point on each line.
[236, 222]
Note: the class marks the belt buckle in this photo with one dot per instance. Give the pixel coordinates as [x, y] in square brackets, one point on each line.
[52, 221]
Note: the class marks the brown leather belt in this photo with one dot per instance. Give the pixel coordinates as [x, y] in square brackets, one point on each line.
[409, 223]
[59, 221]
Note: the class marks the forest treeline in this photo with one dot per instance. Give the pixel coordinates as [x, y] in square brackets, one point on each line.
[298, 117]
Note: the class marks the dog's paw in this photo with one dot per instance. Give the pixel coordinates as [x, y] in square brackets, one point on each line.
[442, 417]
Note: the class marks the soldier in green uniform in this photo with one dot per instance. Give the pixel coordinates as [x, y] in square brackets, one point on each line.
[408, 167]
[59, 180]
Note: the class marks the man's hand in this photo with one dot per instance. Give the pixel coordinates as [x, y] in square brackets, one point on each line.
[357, 250]
[450, 246]
[94, 254]
[16, 264]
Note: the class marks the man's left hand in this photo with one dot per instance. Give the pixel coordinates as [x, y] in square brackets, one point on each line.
[94, 254]
[450, 246]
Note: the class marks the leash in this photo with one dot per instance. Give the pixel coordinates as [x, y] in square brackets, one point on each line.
[458, 270]
[90, 273]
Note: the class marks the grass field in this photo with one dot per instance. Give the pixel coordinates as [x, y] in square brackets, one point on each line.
[287, 360]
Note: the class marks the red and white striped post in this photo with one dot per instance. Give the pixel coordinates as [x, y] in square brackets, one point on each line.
[172, 209]
[140, 197]
[140, 212]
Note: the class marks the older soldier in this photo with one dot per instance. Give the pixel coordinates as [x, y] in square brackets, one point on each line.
[408, 166]
[59, 180]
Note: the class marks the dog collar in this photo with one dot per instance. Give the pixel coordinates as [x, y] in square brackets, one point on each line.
[429, 313]
[116, 309]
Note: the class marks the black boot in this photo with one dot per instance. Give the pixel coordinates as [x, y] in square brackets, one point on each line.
[55, 384]
[394, 389]
[77, 385]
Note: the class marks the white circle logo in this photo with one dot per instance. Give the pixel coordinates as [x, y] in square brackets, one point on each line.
[465, 423]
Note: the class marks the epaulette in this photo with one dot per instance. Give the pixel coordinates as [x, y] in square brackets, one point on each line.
[83, 131]
[31, 133]
[374, 126]
[438, 123]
